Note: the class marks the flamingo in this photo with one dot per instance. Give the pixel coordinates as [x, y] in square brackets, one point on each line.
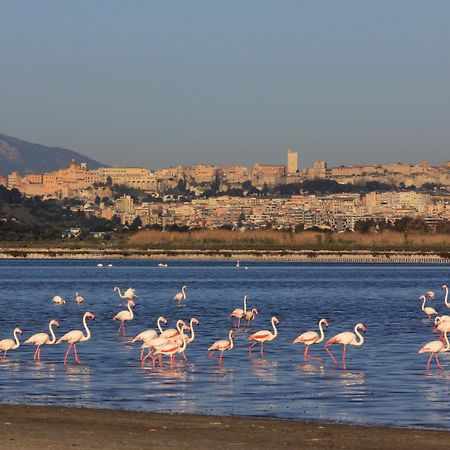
[180, 295]
[431, 295]
[447, 303]
[222, 345]
[148, 335]
[75, 336]
[57, 299]
[189, 339]
[435, 347]
[346, 338]
[154, 344]
[239, 313]
[311, 337]
[171, 348]
[39, 339]
[78, 298]
[251, 315]
[264, 336]
[125, 315]
[129, 294]
[10, 344]
[427, 309]
[172, 333]
[442, 324]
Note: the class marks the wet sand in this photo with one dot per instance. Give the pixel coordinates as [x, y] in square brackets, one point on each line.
[46, 427]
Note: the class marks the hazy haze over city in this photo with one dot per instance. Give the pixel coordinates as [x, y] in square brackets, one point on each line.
[166, 83]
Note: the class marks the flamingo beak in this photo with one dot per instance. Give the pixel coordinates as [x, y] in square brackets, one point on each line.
[363, 328]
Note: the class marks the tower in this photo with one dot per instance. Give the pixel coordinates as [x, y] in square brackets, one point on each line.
[292, 162]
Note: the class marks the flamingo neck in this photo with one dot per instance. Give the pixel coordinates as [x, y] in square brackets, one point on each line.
[423, 303]
[245, 304]
[50, 327]
[360, 336]
[191, 324]
[447, 347]
[88, 331]
[230, 337]
[183, 290]
[275, 331]
[183, 345]
[120, 293]
[447, 304]
[322, 335]
[159, 324]
[16, 339]
[131, 311]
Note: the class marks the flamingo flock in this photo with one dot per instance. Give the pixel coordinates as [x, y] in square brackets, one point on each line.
[161, 342]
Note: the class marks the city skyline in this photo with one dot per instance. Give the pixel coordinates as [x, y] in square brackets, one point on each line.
[167, 84]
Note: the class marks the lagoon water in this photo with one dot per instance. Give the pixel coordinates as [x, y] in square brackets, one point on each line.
[385, 381]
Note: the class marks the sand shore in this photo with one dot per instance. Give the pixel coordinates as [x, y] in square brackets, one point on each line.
[39, 427]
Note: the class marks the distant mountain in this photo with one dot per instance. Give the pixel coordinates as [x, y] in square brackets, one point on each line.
[25, 157]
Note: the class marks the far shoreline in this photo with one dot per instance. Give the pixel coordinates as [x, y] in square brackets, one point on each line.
[232, 255]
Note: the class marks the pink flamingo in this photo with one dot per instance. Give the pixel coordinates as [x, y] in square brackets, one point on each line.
[75, 336]
[10, 344]
[172, 348]
[346, 338]
[39, 339]
[435, 347]
[180, 295]
[250, 315]
[78, 298]
[239, 313]
[428, 310]
[445, 287]
[264, 336]
[123, 316]
[189, 339]
[431, 295]
[148, 335]
[129, 294]
[221, 346]
[311, 337]
[162, 340]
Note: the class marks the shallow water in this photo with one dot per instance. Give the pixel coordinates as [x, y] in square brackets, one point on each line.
[385, 381]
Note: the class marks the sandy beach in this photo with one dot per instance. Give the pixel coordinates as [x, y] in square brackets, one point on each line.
[39, 427]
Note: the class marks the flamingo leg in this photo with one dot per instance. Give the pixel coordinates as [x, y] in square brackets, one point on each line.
[118, 330]
[76, 354]
[250, 348]
[39, 353]
[239, 323]
[309, 356]
[331, 355]
[67, 353]
[220, 358]
[123, 328]
[184, 357]
[36, 352]
[171, 361]
[262, 349]
[429, 361]
[344, 361]
[438, 362]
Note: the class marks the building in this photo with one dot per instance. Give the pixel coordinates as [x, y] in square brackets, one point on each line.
[292, 162]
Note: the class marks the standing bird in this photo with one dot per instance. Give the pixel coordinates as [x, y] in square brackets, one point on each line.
[427, 309]
[57, 299]
[180, 295]
[75, 336]
[78, 298]
[149, 335]
[39, 339]
[10, 344]
[125, 315]
[239, 313]
[250, 315]
[311, 337]
[431, 295]
[129, 294]
[190, 339]
[264, 336]
[346, 338]
[172, 348]
[221, 346]
[435, 347]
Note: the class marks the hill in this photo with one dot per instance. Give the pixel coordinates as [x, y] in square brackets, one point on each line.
[26, 157]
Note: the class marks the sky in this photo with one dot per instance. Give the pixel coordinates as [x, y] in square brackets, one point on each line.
[160, 84]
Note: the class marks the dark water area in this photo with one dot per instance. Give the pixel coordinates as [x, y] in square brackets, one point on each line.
[385, 381]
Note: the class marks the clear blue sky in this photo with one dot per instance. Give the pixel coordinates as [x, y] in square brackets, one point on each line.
[181, 82]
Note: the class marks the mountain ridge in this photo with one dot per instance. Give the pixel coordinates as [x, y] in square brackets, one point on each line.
[18, 155]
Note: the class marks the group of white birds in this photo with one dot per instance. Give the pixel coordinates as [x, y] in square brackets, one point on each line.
[441, 324]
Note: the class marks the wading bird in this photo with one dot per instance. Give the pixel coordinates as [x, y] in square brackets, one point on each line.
[57, 299]
[75, 336]
[78, 298]
[311, 337]
[40, 339]
[124, 316]
[221, 346]
[264, 336]
[346, 338]
[180, 295]
[428, 310]
[239, 313]
[435, 347]
[129, 294]
[10, 344]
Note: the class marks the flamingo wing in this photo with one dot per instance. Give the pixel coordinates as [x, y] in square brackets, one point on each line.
[38, 339]
[309, 337]
[72, 337]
